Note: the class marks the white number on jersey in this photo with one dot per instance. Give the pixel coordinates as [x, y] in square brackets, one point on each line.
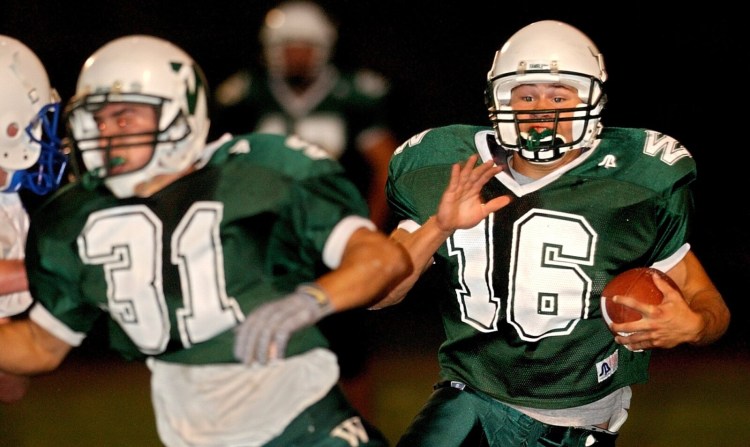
[548, 292]
[127, 242]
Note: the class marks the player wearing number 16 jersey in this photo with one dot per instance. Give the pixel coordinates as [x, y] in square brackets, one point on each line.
[529, 277]
[176, 241]
[527, 358]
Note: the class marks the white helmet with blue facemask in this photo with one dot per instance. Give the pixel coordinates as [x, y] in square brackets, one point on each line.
[30, 148]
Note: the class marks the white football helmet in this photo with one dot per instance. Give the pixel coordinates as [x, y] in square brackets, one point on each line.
[30, 151]
[297, 21]
[147, 70]
[547, 52]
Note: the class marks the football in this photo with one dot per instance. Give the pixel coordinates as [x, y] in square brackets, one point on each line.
[636, 283]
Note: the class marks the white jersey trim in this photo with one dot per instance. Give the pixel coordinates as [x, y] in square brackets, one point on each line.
[666, 265]
[409, 225]
[334, 247]
[48, 322]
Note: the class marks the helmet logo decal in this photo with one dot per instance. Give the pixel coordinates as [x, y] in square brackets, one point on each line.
[609, 161]
[190, 94]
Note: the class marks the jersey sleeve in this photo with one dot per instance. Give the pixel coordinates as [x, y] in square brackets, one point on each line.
[657, 163]
[671, 171]
[320, 203]
[420, 169]
[55, 281]
[675, 222]
[318, 197]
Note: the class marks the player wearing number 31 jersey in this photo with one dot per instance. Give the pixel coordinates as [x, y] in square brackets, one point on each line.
[205, 251]
[212, 262]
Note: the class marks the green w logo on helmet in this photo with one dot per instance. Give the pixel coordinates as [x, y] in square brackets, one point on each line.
[191, 94]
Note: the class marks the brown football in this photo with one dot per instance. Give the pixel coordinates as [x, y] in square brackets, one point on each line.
[636, 283]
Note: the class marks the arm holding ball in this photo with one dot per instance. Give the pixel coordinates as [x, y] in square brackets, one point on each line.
[692, 312]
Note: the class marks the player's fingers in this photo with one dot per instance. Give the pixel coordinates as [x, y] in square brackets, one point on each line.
[454, 179]
[631, 302]
[278, 346]
[665, 287]
[497, 203]
[484, 173]
[632, 348]
[468, 168]
[248, 336]
[262, 347]
[242, 342]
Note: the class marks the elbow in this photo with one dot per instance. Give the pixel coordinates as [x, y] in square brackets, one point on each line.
[40, 363]
[50, 364]
[402, 266]
[403, 276]
[723, 319]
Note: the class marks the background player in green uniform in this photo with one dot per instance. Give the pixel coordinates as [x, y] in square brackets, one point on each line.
[176, 241]
[302, 92]
[343, 111]
[30, 161]
[528, 359]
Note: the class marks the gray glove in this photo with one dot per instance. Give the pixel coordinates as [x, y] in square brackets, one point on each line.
[264, 334]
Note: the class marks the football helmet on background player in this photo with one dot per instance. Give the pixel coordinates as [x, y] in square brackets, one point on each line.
[140, 69]
[546, 52]
[297, 21]
[30, 151]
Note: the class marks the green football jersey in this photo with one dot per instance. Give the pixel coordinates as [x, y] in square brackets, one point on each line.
[521, 302]
[339, 109]
[178, 270]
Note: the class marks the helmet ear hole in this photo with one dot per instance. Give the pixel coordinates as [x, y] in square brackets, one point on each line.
[12, 130]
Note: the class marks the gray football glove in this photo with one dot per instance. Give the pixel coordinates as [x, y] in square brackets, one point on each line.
[264, 334]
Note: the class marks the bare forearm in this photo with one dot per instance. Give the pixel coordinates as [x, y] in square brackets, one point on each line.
[28, 349]
[12, 276]
[371, 266]
[421, 245]
[715, 316]
[703, 299]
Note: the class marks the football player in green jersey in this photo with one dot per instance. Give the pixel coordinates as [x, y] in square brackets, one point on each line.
[30, 160]
[568, 204]
[302, 92]
[176, 241]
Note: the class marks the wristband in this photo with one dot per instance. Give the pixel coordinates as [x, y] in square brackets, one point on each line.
[319, 295]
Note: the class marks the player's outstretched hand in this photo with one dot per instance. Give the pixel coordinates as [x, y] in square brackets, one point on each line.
[461, 205]
[264, 334]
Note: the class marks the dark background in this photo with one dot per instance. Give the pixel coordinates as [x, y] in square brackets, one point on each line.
[677, 72]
